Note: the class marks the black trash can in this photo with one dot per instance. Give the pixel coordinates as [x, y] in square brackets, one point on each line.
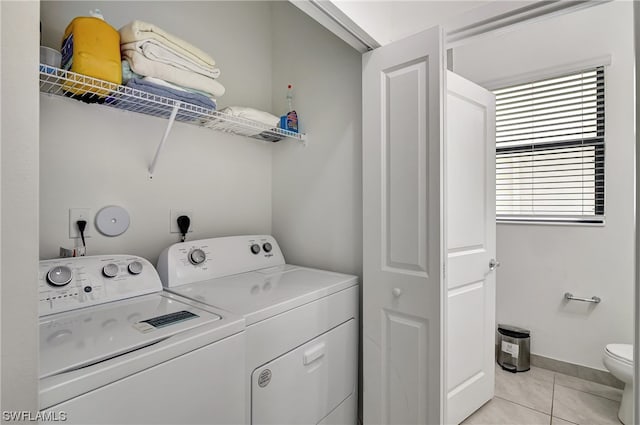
[514, 348]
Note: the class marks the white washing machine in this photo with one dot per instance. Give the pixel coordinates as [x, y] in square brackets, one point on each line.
[302, 325]
[116, 349]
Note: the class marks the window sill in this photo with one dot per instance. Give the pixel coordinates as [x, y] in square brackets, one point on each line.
[553, 223]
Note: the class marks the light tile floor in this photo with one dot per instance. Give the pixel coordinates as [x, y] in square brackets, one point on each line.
[541, 396]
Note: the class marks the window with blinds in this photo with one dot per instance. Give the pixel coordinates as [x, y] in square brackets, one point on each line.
[550, 149]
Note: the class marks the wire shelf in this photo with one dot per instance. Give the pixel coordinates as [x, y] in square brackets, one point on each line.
[56, 81]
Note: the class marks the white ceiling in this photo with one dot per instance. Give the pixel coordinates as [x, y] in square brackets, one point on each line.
[388, 21]
[367, 24]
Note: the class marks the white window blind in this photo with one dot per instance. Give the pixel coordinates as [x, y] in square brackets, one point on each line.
[550, 149]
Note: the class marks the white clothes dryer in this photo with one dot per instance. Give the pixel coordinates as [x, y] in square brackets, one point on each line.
[116, 349]
[302, 325]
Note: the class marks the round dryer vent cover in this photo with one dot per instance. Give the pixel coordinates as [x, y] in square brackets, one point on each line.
[112, 221]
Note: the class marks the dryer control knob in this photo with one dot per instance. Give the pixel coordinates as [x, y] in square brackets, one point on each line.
[135, 267]
[197, 256]
[110, 270]
[255, 248]
[267, 247]
[59, 276]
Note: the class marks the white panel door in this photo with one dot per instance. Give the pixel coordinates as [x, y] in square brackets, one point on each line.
[402, 242]
[471, 245]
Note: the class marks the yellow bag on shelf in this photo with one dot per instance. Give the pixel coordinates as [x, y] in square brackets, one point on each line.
[91, 47]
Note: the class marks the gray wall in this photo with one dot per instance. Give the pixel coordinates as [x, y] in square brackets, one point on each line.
[317, 189]
[93, 156]
[636, 358]
[234, 185]
[308, 197]
[236, 34]
[19, 200]
[541, 262]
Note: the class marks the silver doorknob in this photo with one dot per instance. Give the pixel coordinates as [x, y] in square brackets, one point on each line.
[396, 292]
[494, 264]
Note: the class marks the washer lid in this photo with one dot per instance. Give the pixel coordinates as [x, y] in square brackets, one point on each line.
[78, 339]
[264, 293]
[622, 352]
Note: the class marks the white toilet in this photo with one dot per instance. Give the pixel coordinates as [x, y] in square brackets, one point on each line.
[618, 358]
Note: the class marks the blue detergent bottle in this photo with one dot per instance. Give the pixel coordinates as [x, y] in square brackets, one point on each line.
[289, 121]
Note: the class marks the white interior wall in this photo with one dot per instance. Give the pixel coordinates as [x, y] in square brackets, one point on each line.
[102, 157]
[636, 355]
[19, 200]
[391, 20]
[236, 34]
[541, 262]
[317, 189]
[93, 156]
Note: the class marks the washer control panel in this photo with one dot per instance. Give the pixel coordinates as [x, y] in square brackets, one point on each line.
[70, 283]
[205, 259]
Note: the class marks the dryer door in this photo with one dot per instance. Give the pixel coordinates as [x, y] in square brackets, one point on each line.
[306, 384]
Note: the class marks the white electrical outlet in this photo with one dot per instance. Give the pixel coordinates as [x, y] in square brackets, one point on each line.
[173, 223]
[76, 214]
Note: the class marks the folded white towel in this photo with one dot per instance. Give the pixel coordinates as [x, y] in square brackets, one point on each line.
[138, 30]
[160, 52]
[247, 130]
[176, 87]
[251, 114]
[148, 68]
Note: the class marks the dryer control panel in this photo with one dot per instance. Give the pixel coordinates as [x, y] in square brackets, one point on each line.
[70, 283]
[205, 259]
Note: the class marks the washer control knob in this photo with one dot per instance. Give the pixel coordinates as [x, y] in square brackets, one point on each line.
[267, 247]
[135, 267]
[87, 289]
[110, 270]
[59, 276]
[255, 248]
[197, 256]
